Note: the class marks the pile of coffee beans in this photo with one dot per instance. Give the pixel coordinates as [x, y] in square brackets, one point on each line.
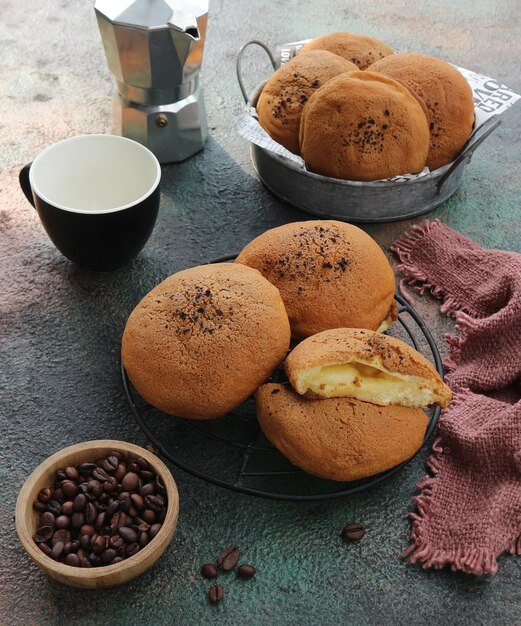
[100, 513]
[226, 562]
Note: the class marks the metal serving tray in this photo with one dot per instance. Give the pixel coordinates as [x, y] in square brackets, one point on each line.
[355, 201]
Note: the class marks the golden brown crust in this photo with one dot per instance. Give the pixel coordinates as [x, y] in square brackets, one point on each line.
[281, 102]
[359, 49]
[204, 339]
[348, 345]
[330, 274]
[340, 438]
[447, 96]
[361, 127]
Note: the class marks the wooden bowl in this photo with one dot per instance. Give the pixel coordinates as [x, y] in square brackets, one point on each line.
[108, 575]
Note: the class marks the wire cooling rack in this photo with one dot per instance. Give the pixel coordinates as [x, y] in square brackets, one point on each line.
[232, 451]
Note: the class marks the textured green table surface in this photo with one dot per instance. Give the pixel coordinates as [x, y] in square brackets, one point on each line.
[60, 327]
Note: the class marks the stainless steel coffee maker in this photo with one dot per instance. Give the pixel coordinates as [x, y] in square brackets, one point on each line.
[154, 48]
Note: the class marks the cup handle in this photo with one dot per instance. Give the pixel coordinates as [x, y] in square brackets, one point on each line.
[23, 178]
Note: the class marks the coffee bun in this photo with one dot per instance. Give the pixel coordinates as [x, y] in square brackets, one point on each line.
[330, 274]
[281, 102]
[204, 339]
[368, 366]
[359, 49]
[339, 438]
[447, 96]
[363, 126]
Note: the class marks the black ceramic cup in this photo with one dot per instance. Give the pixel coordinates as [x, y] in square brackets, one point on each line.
[97, 197]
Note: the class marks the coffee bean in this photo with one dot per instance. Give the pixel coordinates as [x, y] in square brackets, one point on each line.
[77, 520]
[108, 556]
[91, 513]
[156, 503]
[100, 474]
[353, 531]
[227, 560]
[112, 508]
[47, 519]
[94, 488]
[148, 516]
[69, 488]
[39, 506]
[57, 494]
[147, 490]
[72, 559]
[246, 571]
[154, 529]
[80, 502]
[142, 463]
[61, 475]
[57, 549]
[117, 454]
[129, 535]
[132, 548]
[116, 542]
[161, 515]
[87, 468]
[94, 558]
[61, 536]
[68, 508]
[99, 545]
[143, 527]
[118, 520]
[118, 559]
[85, 562]
[44, 533]
[125, 505]
[72, 473]
[66, 548]
[132, 466]
[62, 521]
[86, 529]
[85, 541]
[100, 520]
[110, 464]
[110, 485]
[54, 507]
[215, 594]
[143, 539]
[208, 570]
[45, 495]
[45, 549]
[120, 472]
[122, 551]
[147, 476]
[160, 487]
[130, 481]
[75, 545]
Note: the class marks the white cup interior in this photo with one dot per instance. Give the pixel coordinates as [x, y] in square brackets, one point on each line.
[95, 174]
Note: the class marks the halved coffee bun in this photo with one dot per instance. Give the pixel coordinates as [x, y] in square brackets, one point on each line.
[340, 438]
[362, 364]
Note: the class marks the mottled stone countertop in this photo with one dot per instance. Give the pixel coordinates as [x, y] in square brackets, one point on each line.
[60, 327]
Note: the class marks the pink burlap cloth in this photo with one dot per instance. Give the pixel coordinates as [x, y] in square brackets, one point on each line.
[469, 507]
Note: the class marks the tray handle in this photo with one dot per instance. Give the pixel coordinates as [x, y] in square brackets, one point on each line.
[239, 63]
[466, 154]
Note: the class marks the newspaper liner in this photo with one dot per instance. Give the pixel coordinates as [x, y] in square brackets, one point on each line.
[490, 98]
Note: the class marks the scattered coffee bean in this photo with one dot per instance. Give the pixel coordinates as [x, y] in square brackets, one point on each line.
[227, 560]
[215, 594]
[353, 531]
[246, 571]
[96, 514]
[208, 570]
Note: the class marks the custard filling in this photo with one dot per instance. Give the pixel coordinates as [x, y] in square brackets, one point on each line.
[366, 382]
